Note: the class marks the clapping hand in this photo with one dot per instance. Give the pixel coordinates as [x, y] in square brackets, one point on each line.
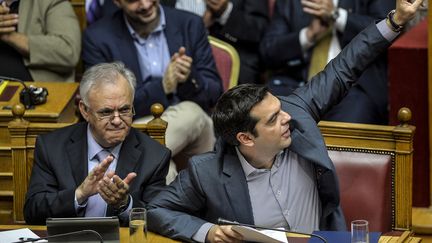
[178, 71]
[89, 186]
[114, 190]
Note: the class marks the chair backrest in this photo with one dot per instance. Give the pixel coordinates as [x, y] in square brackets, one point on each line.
[23, 138]
[374, 168]
[79, 8]
[227, 62]
[271, 4]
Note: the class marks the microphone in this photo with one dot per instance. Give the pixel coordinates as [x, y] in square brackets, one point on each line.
[24, 239]
[222, 221]
[29, 96]
[13, 79]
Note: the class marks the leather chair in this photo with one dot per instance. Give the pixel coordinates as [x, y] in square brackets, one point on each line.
[271, 5]
[374, 168]
[227, 62]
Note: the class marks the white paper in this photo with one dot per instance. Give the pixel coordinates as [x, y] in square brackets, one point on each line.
[15, 235]
[264, 236]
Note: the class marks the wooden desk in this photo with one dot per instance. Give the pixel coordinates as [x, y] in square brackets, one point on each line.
[124, 233]
[155, 238]
[60, 107]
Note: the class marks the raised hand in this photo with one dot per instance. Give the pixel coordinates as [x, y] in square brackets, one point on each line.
[8, 22]
[319, 8]
[406, 10]
[183, 65]
[178, 71]
[89, 186]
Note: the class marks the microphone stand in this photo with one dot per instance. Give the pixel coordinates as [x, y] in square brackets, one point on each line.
[222, 221]
[23, 239]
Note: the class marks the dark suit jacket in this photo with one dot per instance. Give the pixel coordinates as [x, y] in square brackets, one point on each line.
[60, 166]
[109, 40]
[281, 50]
[214, 184]
[244, 30]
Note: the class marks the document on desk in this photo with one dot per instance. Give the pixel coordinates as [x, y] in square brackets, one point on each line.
[15, 235]
[264, 236]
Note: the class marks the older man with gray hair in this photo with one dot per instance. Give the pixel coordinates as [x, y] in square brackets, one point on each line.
[101, 167]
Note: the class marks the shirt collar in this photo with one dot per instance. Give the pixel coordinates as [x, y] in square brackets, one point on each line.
[159, 28]
[94, 148]
[248, 169]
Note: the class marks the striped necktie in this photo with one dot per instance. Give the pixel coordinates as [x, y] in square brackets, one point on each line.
[96, 206]
[94, 12]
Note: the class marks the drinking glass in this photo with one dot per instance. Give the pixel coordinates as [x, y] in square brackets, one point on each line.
[138, 225]
[360, 231]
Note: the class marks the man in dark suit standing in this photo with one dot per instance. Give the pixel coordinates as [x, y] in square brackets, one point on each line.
[241, 23]
[271, 167]
[169, 53]
[298, 32]
[101, 167]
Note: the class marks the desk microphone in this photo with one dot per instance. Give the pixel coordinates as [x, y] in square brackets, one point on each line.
[29, 96]
[80, 232]
[222, 221]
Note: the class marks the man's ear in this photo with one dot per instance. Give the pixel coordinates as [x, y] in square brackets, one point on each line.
[245, 139]
[83, 110]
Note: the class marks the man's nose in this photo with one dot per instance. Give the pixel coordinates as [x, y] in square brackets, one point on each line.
[286, 117]
[146, 3]
[116, 119]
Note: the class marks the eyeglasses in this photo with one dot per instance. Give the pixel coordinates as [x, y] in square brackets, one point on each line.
[109, 114]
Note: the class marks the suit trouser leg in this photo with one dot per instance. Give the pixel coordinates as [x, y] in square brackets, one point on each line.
[189, 131]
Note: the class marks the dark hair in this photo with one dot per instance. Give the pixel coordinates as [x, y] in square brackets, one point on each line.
[232, 111]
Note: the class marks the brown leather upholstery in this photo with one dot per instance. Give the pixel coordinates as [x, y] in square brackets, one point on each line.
[366, 187]
[271, 6]
[374, 166]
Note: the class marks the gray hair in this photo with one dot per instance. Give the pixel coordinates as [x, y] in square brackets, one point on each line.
[105, 73]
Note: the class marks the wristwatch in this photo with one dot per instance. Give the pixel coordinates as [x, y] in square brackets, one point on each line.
[390, 20]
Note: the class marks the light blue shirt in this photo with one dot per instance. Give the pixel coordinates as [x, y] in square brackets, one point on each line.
[153, 52]
[93, 148]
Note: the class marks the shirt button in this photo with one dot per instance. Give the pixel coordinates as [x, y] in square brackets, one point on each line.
[154, 63]
[151, 45]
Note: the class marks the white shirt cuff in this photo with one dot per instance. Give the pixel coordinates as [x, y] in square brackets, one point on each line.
[385, 30]
[226, 14]
[341, 20]
[304, 42]
[79, 207]
[201, 234]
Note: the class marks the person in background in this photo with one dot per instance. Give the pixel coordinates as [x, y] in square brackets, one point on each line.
[169, 53]
[305, 35]
[39, 40]
[271, 167]
[241, 23]
[101, 167]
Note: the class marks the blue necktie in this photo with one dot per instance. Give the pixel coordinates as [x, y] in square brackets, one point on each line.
[94, 12]
[96, 206]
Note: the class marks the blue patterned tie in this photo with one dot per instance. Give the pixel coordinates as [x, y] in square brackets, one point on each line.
[96, 206]
[94, 12]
